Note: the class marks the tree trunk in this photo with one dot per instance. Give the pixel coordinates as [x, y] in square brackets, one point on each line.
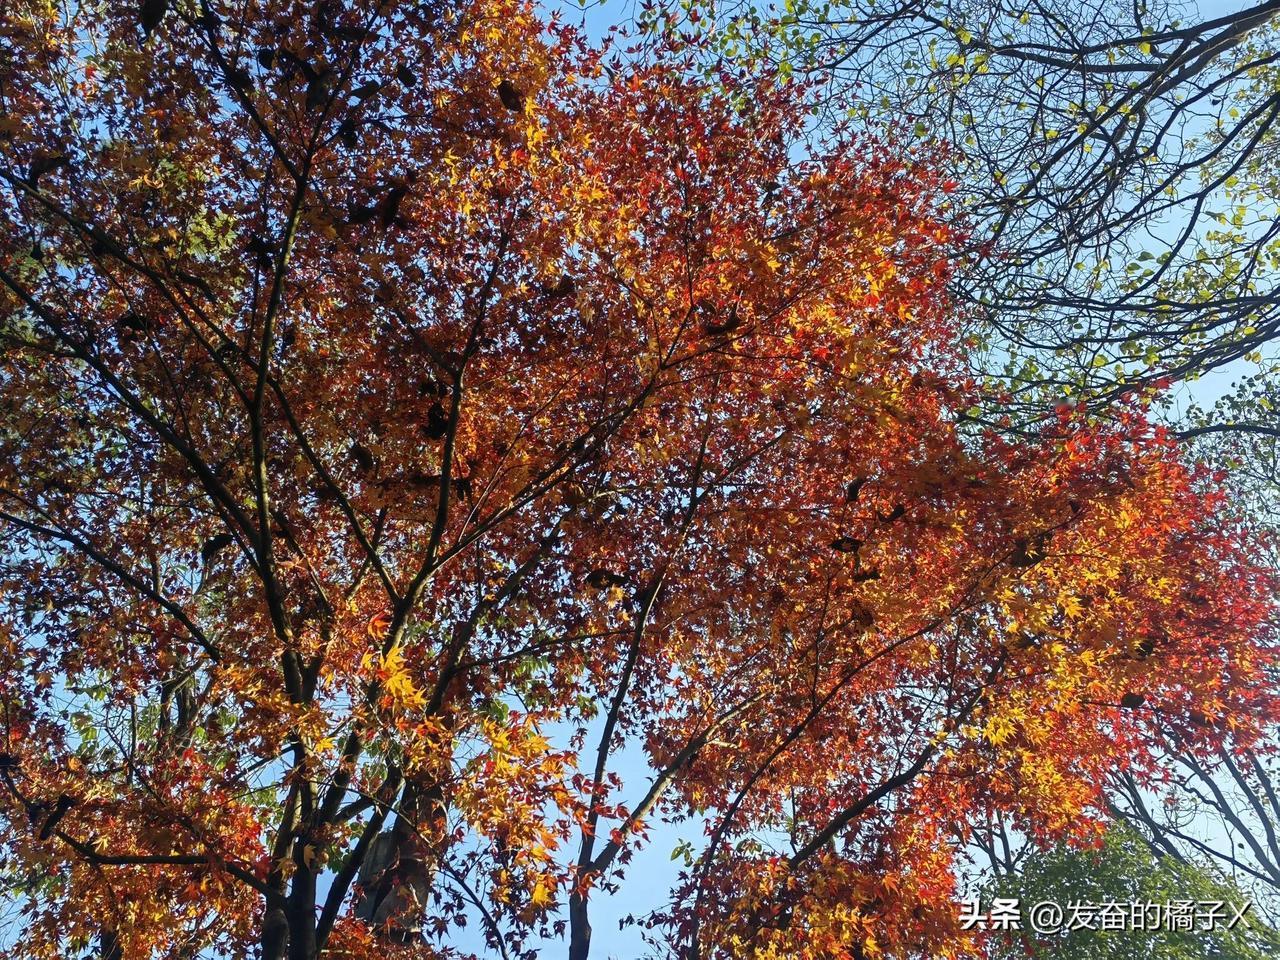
[579, 928]
[302, 908]
[397, 874]
[275, 934]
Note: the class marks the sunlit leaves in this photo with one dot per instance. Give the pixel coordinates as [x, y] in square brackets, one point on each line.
[407, 430]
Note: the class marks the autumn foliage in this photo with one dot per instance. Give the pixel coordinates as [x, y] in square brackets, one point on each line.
[405, 406]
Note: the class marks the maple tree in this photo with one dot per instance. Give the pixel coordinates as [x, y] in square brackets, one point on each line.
[407, 406]
[1117, 163]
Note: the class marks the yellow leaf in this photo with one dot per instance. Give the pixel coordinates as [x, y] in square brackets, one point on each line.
[543, 895]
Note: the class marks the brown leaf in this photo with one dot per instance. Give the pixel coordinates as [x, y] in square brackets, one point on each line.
[511, 98]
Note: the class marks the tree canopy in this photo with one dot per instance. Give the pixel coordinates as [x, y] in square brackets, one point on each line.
[1123, 870]
[405, 407]
[1117, 161]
